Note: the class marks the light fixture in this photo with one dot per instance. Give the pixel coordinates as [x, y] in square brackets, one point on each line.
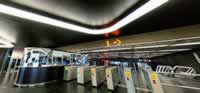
[155, 46]
[5, 44]
[136, 52]
[174, 50]
[147, 7]
[187, 44]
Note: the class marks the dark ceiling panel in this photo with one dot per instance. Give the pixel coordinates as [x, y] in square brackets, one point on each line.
[29, 33]
[175, 13]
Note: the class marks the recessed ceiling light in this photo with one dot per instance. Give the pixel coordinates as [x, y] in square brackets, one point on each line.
[147, 7]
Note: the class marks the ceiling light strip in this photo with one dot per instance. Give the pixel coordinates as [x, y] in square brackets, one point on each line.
[187, 44]
[147, 7]
[6, 44]
[162, 41]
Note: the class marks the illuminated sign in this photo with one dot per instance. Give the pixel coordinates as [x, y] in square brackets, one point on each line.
[115, 42]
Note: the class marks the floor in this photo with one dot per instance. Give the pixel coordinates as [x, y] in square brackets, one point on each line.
[170, 85]
[7, 81]
[179, 85]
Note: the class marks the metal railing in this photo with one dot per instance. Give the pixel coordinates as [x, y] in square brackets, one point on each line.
[164, 69]
[178, 71]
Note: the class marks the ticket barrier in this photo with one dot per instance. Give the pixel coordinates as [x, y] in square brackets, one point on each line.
[98, 75]
[112, 77]
[152, 81]
[130, 85]
[84, 74]
[70, 73]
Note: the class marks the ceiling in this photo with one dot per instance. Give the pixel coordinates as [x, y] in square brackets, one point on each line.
[90, 13]
[144, 50]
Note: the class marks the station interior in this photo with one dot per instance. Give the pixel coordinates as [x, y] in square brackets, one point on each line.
[99, 46]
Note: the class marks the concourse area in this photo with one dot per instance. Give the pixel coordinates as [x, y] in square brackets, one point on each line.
[99, 46]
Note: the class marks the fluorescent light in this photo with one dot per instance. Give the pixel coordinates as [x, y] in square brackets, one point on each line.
[156, 46]
[147, 7]
[174, 50]
[119, 48]
[139, 52]
[187, 44]
[6, 44]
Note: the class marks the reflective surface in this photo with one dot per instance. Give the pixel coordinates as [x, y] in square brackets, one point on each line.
[180, 85]
[7, 80]
[175, 85]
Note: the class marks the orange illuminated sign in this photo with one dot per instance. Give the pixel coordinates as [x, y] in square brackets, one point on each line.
[114, 42]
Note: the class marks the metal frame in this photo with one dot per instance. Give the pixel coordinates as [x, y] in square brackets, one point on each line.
[164, 69]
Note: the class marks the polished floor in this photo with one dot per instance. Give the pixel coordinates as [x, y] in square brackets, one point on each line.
[170, 85]
[179, 85]
[7, 81]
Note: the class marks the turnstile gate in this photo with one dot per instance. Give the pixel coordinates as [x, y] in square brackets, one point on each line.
[84, 74]
[112, 77]
[98, 75]
[70, 73]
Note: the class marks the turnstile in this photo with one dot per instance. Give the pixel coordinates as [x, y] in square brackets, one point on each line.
[98, 75]
[152, 80]
[84, 74]
[112, 77]
[70, 73]
[130, 85]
